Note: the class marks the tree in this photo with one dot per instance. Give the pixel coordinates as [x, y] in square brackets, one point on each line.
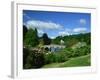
[24, 31]
[31, 38]
[57, 40]
[46, 39]
[36, 38]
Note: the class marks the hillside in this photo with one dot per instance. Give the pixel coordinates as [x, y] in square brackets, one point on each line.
[73, 39]
[78, 61]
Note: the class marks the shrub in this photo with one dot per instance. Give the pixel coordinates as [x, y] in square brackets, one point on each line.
[61, 57]
[25, 55]
[55, 57]
[67, 51]
[49, 58]
[81, 51]
[35, 59]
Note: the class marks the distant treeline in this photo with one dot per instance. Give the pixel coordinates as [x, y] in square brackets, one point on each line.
[73, 39]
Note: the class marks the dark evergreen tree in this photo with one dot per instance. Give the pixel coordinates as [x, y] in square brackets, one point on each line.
[24, 31]
[46, 39]
[36, 38]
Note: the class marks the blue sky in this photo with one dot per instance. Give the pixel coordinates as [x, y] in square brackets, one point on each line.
[57, 23]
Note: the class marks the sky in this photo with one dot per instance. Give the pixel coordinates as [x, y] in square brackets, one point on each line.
[57, 23]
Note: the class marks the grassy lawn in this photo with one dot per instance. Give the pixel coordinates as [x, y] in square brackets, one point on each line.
[72, 62]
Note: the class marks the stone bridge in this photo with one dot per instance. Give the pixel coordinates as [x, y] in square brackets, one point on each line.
[54, 47]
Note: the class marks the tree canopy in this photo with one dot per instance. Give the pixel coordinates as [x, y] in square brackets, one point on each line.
[31, 38]
[46, 39]
[24, 31]
[73, 39]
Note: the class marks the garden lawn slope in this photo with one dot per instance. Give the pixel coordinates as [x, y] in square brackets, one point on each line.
[72, 62]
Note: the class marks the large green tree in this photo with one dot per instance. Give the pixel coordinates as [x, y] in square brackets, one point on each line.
[31, 38]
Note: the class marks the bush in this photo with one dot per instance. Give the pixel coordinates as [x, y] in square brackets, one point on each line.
[49, 58]
[67, 51]
[38, 59]
[55, 57]
[25, 55]
[35, 59]
[81, 51]
[61, 57]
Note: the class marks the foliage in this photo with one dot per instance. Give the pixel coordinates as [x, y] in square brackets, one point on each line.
[40, 43]
[61, 57]
[49, 57]
[25, 55]
[34, 59]
[67, 51]
[81, 51]
[56, 40]
[55, 57]
[73, 39]
[31, 38]
[46, 39]
[37, 58]
[72, 62]
[34, 56]
[24, 31]
[78, 61]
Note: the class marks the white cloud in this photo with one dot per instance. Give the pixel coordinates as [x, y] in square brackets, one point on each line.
[64, 33]
[80, 30]
[43, 25]
[52, 37]
[40, 31]
[73, 31]
[82, 21]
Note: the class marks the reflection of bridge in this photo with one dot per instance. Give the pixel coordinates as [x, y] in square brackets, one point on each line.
[54, 47]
